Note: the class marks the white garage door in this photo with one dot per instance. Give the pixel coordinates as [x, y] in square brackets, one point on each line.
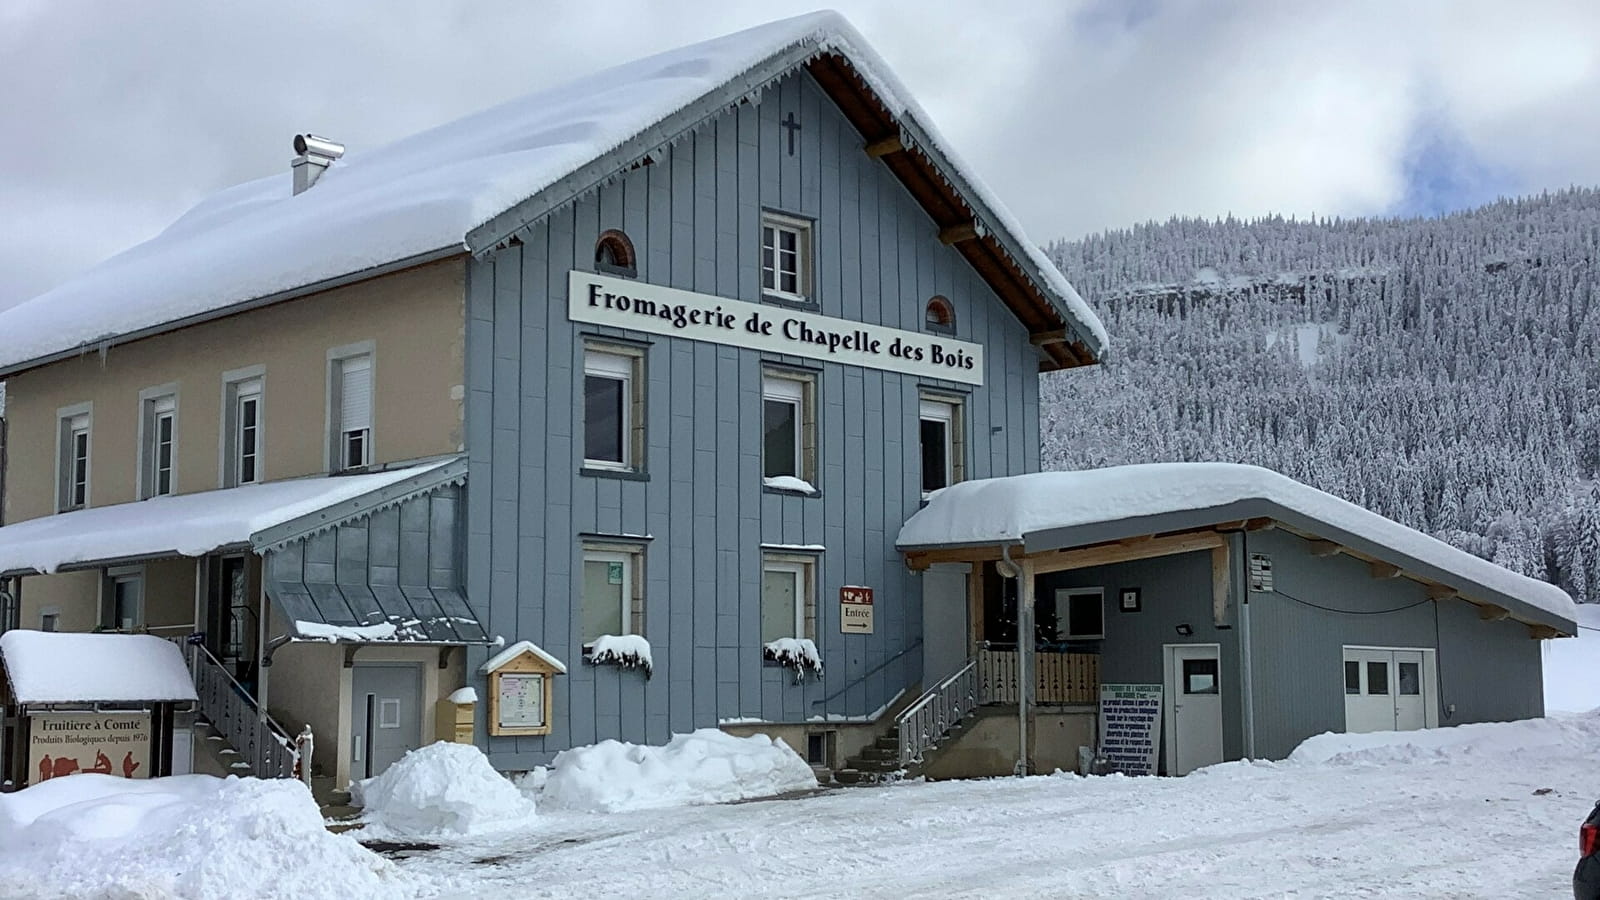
[1389, 689]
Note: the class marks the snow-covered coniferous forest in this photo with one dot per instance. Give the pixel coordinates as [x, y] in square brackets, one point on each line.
[1443, 372]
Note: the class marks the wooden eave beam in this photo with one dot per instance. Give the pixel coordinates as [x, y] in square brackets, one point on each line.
[1260, 524]
[1381, 569]
[885, 146]
[1489, 612]
[1543, 632]
[1110, 554]
[1043, 338]
[955, 234]
[1324, 548]
[1437, 592]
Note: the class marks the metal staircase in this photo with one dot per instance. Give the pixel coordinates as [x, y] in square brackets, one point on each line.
[930, 719]
[239, 720]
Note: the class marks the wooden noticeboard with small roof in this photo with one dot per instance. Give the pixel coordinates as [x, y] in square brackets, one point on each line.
[520, 690]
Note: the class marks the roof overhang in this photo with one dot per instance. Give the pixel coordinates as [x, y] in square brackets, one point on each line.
[1135, 537]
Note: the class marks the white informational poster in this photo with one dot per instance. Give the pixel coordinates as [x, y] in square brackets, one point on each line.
[521, 700]
[1130, 727]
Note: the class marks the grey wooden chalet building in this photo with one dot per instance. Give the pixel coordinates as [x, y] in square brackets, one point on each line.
[863, 325]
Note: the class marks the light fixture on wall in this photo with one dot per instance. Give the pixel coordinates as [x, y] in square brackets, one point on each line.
[1184, 630]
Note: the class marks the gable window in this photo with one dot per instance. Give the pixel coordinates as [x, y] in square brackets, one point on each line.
[613, 408]
[72, 443]
[788, 609]
[613, 253]
[122, 599]
[786, 257]
[940, 316]
[158, 426]
[242, 431]
[789, 438]
[612, 601]
[939, 422]
[350, 392]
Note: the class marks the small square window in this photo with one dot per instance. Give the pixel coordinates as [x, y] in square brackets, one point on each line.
[1200, 676]
[612, 601]
[1377, 678]
[122, 599]
[786, 257]
[939, 422]
[613, 408]
[1080, 614]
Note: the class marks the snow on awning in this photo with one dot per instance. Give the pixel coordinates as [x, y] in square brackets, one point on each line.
[191, 524]
[1053, 510]
[50, 667]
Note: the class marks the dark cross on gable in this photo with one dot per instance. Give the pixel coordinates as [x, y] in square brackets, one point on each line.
[792, 127]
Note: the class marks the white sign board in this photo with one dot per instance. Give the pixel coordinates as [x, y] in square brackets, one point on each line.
[107, 743]
[521, 700]
[855, 610]
[625, 303]
[1130, 727]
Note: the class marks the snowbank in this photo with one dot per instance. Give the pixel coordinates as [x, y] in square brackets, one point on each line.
[441, 789]
[1534, 738]
[183, 836]
[1008, 510]
[1572, 666]
[789, 483]
[61, 667]
[707, 766]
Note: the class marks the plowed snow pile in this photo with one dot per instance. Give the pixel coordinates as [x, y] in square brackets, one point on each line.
[441, 789]
[192, 836]
[706, 766]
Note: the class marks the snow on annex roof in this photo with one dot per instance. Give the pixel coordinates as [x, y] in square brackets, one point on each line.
[421, 196]
[49, 667]
[1049, 510]
[185, 524]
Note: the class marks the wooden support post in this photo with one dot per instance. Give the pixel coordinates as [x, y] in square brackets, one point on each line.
[1025, 663]
[975, 609]
[1488, 612]
[1220, 584]
[885, 146]
[1382, 569]
[1324, 548]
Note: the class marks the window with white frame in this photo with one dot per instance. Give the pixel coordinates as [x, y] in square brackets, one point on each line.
[73, 460]
[788, 423]
[242, 430]
[612, 601]
[786, 257]
[1080, 614]
[939, 423]
[158, 425]
[788, 609]
[613, 408]
[122, 599]
[351, 413]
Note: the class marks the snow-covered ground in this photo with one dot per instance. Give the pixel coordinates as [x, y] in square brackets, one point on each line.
[1462, 818]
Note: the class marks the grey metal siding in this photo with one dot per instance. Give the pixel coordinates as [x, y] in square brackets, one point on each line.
[694, 218]
[1489, 671]
[1175, 590]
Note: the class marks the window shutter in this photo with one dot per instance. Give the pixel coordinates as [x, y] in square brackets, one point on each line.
[355, 393]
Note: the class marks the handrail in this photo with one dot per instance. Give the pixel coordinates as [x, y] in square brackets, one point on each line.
[269, 748]
[869, 673]
[930, 717]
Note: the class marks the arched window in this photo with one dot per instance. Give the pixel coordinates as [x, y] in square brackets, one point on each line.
[613, 253]
[941, 316]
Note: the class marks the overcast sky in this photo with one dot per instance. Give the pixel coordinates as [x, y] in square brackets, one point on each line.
[1082, 114]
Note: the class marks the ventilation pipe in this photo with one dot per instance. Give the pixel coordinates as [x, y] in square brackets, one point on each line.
[316, 154]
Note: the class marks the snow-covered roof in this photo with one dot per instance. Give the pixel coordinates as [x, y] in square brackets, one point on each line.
[186, 524]
[516, 650]
[425, 193]
[1048, 510]
[50, 667]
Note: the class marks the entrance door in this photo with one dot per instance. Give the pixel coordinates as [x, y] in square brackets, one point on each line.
[946, 636]
[386, 715]
[1194, 706]
[1387, 689]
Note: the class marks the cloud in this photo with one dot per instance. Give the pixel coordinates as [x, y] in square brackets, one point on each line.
[1082, 115]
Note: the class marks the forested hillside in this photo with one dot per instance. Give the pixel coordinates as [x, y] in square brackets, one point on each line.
[1444, 372]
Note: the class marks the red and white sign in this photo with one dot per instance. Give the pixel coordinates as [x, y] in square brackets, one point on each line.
[855, 610]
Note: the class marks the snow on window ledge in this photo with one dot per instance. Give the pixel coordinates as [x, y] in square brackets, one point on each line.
[790, 484]
[628, 651]
[799, 654]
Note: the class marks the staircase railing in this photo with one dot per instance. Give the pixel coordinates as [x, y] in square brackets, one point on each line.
[269, 749]
[930, 717]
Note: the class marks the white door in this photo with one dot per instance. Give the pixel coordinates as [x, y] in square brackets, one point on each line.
[945, 635]
[1194, 708]
[1388, 689]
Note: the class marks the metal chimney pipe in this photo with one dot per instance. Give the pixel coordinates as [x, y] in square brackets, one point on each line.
[315, 155]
